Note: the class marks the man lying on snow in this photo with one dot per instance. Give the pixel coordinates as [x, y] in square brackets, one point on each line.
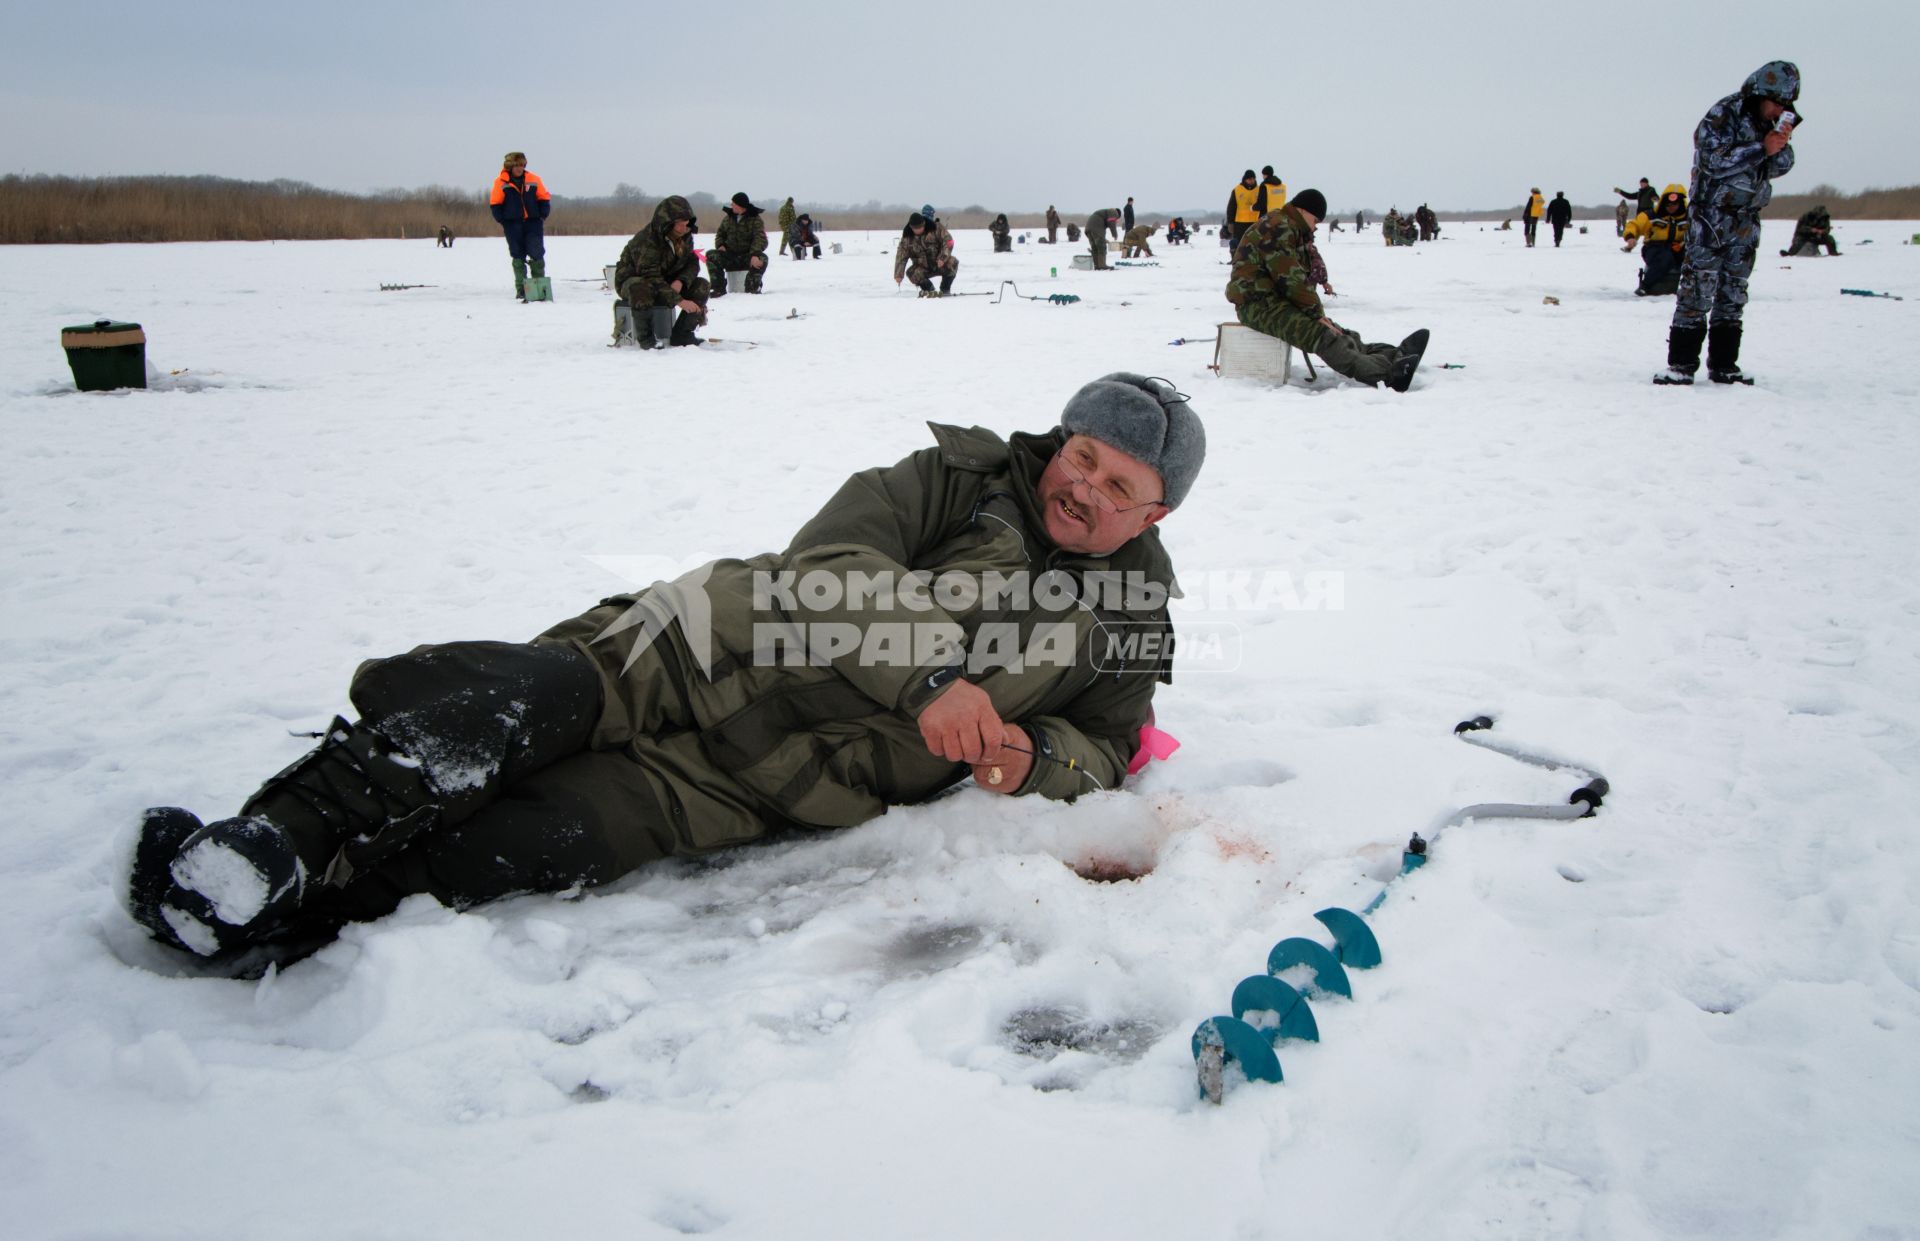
[990, 606]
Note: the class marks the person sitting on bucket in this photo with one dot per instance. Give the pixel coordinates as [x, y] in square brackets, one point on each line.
[1272, 292]
[739, 244]
[986, 608]
[659, 273]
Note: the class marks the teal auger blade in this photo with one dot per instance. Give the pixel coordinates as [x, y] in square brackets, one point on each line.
[1353, 938]
[1221, 1043]
[1328, 974]
[1274, 1008]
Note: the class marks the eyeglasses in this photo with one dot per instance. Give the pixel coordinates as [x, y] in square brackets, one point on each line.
[1102, 499]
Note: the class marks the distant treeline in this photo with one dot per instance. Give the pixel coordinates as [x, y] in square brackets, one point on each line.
[44, 209]
[1902, 203]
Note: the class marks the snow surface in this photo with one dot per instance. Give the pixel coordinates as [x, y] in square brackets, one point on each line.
[1696, 1015]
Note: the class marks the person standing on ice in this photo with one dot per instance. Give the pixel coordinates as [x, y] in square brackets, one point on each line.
[1273, 192]
[1739, 147]
[1053, 225]
[1243, 206]
[1531, 213]
[987, 608]
[520, 202]
[1272, 292]
[1644, 199]
[788, 215]
[659, 274]
[1559, 215]
[925, 251]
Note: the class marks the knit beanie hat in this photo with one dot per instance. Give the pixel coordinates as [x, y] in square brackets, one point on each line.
[1146, 419]
[1312, 202]
[741, 201]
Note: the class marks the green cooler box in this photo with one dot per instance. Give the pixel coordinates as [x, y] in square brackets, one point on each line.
[106, 355]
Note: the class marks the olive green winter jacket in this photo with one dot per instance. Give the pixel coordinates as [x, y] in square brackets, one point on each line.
[728, 688]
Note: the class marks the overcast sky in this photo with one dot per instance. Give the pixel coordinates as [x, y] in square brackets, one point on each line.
[1010, 106]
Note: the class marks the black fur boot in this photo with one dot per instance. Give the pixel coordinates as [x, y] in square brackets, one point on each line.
[1683, 355]
[1723, 354]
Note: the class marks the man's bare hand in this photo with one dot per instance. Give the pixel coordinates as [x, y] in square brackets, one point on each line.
[675, 286]
[690, 306]
[960, 724]
[1010, 762]
[1774, 142]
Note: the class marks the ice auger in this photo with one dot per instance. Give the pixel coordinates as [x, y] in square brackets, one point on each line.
[1268, 1011]
[1058, 299]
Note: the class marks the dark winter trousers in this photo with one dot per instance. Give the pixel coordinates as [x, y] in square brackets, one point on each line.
[923, 276]
[1340, 349]
[1719, 259]
[1532, 224]
[542, 793]
[1098, 242]
[1808, 245]
[1559, 230]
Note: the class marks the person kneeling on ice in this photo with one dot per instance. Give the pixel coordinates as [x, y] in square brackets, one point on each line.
[1666, 242]
[987, 607]
[1272, 291]
[659, 273]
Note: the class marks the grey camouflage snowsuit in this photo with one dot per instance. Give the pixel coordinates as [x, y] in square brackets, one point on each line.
[1732, 184]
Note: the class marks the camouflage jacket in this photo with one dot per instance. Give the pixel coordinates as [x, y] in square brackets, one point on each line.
[657, 258]
[1732, 173]
[931, 250]
[1000, 228]
[1275, 260]
[787, 216]
[741, 234]
[1139, 234]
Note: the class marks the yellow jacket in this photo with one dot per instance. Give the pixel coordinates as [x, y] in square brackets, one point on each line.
[1536, 206]
[1244, 202]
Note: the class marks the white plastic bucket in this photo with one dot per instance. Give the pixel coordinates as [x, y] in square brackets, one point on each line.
[1247, 354]
[1083, 262]
[736, 281]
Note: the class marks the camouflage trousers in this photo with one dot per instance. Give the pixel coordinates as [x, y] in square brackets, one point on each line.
[1719, 259]
[720, 262]
[1339, 348]
[1098, 243]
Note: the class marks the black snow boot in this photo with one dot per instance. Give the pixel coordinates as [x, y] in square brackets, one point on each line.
[1723, 354]
[683, 330]
[349, 801]
[1412, 349]
[1683, 355]
[445, 729]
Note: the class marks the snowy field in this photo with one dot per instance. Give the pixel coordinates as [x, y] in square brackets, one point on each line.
[1695, 1015]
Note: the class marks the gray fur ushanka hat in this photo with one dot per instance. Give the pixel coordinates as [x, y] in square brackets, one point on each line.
[1144, 418]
